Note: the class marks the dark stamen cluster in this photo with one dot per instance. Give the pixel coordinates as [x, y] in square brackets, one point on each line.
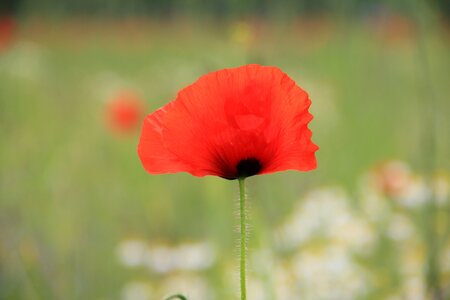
[248, 167]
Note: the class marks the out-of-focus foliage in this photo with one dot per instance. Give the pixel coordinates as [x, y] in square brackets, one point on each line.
[218, 8]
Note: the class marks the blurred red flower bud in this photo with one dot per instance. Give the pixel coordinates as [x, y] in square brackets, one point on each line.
[7, 31]
[124, 113]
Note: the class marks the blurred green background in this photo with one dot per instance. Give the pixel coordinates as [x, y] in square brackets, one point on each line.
[81, 219]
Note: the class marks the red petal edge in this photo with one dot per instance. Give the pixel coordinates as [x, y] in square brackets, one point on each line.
[229, 115]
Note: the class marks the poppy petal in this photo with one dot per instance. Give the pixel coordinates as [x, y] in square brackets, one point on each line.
[249, 120]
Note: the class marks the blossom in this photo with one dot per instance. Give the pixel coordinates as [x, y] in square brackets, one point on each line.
[231, 123]
[393, 178]
[131, 252]
[193, 256]
[325, 214]
[7, 30]
[328, 273]
[124, 112]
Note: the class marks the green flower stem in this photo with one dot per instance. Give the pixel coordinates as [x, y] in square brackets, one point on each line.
[242, 215]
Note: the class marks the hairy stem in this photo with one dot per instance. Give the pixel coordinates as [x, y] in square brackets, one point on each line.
[243, 245]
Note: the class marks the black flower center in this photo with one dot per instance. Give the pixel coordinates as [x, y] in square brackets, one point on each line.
[248, 167]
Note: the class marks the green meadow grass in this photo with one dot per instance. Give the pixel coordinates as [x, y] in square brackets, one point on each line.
[70, 190]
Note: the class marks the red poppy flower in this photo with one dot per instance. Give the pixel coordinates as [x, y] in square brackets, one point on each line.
[124, 113]
[231, 123]
[7, 28]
